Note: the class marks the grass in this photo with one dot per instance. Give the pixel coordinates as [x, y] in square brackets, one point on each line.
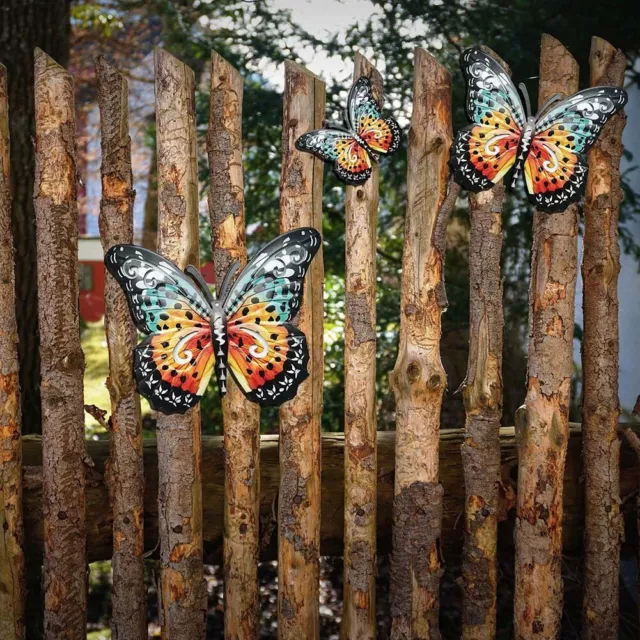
[94, 345]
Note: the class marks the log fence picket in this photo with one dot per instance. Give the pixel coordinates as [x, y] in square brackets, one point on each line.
[357, 495]
[543, 421]
[12, 566]
[125, 471]
[300, 418]
[183, 592]
[241, 418]
[360, 470]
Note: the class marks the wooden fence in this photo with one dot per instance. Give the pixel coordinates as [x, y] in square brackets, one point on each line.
[401, 493]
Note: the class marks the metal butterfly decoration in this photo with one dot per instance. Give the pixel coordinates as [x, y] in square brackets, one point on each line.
[364, 136]
[246, 331]
[549, 147]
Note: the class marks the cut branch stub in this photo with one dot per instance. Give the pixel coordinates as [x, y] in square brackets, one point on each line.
[62, 360]
[300, 418]
[125, 470]
[543, 421]
[361, 206]
[600, 360]
[183, 590]
[418, 379]
[12, 587]
[241, 417]
[482, 394]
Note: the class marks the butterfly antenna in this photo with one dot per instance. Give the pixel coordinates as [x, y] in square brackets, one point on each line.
[548, 102]
[228, 279]
[525, 95]
[196, 276]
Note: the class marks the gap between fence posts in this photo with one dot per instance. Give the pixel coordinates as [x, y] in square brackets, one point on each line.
[125, 470]
[301, 417]
[62, 359]
[418, 379]
[482, 395]
[360, 469]
[241, 417]
[600, 360]
[183, 609]
[12, 568]
[542, 423]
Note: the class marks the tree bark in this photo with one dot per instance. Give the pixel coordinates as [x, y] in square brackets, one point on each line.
[183, 590]
[359, 595]
[543, 421]
[27, 24]
[125, 468]
[55, 191]
[482, 395]
[100, 520]
[418, 379]
[300, 418]
[600, 345]
[12, 578]
[241, 417]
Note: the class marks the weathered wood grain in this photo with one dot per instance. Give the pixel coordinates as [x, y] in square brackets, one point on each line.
[125, 469]
[241, 417]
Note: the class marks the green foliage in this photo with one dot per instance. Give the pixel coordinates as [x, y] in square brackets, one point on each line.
[252, 34]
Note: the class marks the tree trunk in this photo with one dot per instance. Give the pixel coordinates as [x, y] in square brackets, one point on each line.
[100, 521]
[600, 404]
[125, 470]
[27, 24]
[482, 394]
[543, 421]
[359, 618]
[12, 585]
[183, 591]
[55, 191]
[418, 379]
[300, 418]
[241, 417]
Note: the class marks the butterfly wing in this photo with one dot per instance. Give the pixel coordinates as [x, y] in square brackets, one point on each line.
[268, 356]
[173, 368]
[364, 116]
[351, 161]
[556, 166]
[174, 363]
[485, 151]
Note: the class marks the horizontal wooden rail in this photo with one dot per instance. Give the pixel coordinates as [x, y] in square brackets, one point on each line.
[99, 525]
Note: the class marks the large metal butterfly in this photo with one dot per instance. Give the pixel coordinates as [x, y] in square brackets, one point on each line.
[245, 331]
[364, 136]
[551, 146]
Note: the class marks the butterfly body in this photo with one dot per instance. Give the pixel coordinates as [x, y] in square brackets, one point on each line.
[245, 333]
[549, 148]
[365, 136]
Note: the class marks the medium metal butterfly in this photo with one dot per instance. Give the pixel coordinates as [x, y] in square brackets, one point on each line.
[246, 331]
[364, 136]
[549, 147]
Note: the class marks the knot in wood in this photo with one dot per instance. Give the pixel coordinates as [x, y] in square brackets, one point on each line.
[413, 371]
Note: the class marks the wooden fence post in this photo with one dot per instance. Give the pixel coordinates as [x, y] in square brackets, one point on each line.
[300, 418]
[542, 422]
[418, 379]
[241, 417]
[600, 404]
[482, 394]
[183, 591]
[12, 576]
[55, 191]
[125, 471]
[360, 469]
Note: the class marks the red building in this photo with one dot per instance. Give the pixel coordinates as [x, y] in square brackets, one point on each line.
[91, 277]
